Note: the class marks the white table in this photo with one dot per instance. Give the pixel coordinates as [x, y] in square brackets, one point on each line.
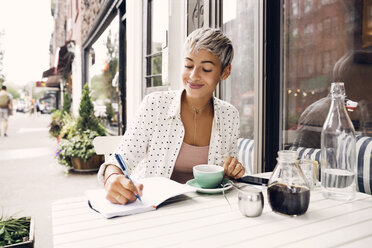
[197, 220]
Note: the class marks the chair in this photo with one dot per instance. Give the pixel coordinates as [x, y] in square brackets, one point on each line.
[105, 145]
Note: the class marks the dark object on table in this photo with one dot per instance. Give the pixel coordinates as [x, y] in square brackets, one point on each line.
[254, 180]
[290, 200]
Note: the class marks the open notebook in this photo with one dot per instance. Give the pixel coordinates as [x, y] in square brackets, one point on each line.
[156, 190]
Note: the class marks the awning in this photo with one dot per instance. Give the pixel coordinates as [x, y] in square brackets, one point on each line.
[53, 78]
[65, 57]
[49, 72]
[53, 81]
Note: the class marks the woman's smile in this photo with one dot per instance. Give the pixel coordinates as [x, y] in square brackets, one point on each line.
[194, 86]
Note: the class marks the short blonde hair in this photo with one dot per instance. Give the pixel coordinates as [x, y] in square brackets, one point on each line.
[212, 40]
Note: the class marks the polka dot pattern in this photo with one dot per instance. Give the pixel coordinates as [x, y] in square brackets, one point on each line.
[151, 144]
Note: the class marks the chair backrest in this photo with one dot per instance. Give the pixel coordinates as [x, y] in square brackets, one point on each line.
[304, 152]
[245, 154]
[105, 145]
[364, 161]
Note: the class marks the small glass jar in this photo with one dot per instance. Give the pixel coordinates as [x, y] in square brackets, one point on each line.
[310, 169]
[288, 190]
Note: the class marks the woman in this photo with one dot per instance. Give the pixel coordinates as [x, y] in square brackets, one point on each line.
[175, 130]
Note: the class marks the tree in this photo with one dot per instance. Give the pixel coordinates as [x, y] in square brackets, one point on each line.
[87, 120]
[97, 87]
[112, 65]
[13, 91]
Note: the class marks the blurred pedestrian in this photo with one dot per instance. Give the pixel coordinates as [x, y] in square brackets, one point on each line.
[32, 107]
[37, 105]
[6, 108]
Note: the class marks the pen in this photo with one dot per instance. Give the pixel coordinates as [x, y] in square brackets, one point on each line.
[125, 171]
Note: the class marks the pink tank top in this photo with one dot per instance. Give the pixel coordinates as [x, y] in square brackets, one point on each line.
[188, 157]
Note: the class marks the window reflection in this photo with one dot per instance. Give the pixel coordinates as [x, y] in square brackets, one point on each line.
[158, 19]
[308, 6]
[103, 75]
[294, 8]
[328, 46]
[239, 24]
[159, 15]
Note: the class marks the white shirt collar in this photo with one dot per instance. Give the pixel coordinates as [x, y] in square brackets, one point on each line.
[175, 107]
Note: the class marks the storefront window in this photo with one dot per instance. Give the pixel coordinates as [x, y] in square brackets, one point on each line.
[240, 24]
[330, 45]
[103, 75]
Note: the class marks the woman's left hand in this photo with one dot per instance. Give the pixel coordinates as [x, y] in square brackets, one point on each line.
[233, 168]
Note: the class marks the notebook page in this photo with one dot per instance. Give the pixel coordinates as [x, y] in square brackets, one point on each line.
[98, 201]
[158, 189]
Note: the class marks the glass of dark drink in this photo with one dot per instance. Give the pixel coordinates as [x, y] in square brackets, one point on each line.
[288, 190]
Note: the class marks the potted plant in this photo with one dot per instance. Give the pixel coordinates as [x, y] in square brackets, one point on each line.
[78, 152]
[16, 232]
[58, 117]
[69, 127]
[56, 124]
[76, 147]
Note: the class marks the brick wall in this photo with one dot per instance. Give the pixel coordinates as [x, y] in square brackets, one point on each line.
[89, 10]
[60, 22]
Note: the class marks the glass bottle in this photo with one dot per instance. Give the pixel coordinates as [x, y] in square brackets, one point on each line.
[338, 157]
[288, 190]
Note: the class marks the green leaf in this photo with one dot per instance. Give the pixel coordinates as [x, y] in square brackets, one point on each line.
[2, 230]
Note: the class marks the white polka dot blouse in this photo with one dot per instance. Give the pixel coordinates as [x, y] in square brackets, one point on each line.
[151, 144]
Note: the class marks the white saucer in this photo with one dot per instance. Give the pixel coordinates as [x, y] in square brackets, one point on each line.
[194, 183]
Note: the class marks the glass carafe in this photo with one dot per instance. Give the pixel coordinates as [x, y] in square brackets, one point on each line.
[288, 190]
[338, 157]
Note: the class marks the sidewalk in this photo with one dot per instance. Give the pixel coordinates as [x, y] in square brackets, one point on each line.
[30, 177]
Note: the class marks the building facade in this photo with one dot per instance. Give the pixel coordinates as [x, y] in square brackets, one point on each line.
[285, 55]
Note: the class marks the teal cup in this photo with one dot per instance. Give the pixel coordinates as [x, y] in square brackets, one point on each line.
[208, 176]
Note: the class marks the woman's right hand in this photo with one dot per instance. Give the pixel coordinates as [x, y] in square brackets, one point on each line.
[120, 190]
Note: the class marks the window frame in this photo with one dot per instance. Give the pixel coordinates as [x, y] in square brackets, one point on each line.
[260, 152]
[147, 55]
[110, 10]
[273, 83]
